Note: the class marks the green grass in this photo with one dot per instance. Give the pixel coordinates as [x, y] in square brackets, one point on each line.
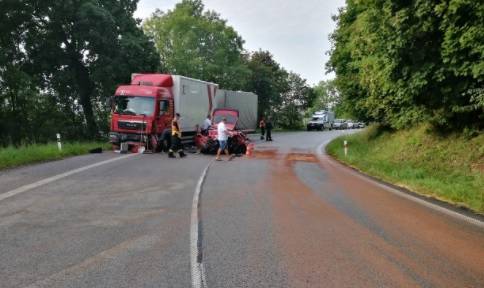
[447, 168]
[12, 157]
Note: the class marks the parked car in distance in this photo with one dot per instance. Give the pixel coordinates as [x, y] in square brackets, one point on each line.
[361, 125]
[339, 124]
[350, 124]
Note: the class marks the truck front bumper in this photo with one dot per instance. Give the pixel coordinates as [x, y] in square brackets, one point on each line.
[116, 137]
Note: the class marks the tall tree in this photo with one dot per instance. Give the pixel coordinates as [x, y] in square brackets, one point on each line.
[406, 62]
[326, 95]
[268, 81]
[85, 48]
[198, 44]
[298, 98]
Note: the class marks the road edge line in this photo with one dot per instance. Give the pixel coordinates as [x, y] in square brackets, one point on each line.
[196, 263]
[54, 178]
[389, 188]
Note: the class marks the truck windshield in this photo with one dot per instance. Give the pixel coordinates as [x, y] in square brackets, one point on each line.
[134, 105]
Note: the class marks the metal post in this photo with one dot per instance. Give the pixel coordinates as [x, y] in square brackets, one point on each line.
[59, 144]
[346, 147]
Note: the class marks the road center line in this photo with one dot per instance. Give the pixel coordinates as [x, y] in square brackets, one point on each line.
[198, 273]
[45, 181]
[448, 212]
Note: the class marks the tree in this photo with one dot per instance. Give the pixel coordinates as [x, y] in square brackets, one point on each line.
[198, 44]
[326, 96]
[298, 98]
[89, 47]
[406, 62]
[73, 52]
[268, 81]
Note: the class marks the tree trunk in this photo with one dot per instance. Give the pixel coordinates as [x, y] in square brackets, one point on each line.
[86, 91]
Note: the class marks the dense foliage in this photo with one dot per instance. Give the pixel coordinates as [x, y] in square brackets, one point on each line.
[405, 62]
[198, 43]
[59, 61]
[326, 97]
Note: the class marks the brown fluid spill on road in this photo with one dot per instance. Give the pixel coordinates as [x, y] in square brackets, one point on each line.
[303, 157]
[448, 249]
[324, 247]
[264, 154]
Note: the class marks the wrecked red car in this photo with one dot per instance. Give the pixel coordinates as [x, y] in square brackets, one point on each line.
[237, 142]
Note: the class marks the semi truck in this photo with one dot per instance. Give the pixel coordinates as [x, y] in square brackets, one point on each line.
[141, 112]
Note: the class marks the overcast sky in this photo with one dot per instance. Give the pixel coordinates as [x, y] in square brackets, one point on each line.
[295, 32]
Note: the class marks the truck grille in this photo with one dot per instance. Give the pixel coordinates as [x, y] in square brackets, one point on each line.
[131, 125]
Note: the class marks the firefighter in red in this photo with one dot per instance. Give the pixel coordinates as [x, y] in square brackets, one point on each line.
[176, 145]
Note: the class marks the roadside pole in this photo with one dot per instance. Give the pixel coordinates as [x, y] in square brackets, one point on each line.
[345, 143]
[59, 144]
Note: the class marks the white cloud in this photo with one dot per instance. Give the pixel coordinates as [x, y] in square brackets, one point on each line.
[295, 32]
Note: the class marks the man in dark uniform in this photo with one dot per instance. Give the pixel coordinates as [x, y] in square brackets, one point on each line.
[269, 127]
[176, 145]
[262, 126]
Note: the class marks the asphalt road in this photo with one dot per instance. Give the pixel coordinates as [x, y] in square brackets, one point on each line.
[283, 217]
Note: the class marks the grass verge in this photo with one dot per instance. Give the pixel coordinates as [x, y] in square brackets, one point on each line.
[449, 168]
[13, 157]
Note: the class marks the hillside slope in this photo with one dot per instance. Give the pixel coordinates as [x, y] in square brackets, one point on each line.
[447, 168]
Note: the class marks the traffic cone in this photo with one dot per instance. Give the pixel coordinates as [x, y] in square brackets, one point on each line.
[250, 148]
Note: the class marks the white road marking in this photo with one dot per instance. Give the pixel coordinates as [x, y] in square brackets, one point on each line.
[410, 197]
[198, 272]
[45, 181]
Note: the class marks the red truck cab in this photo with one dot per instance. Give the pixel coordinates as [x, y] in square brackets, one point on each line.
[142, 111]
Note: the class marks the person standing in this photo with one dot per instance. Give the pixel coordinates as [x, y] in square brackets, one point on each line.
[176, 134]
[206, 125]
[262, 126]
[222, 137]
[269, 127]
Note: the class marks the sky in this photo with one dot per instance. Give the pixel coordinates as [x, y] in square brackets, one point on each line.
[295, 32]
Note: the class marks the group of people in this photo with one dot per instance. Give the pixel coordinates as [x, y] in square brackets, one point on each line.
[265, 126]
[266, 129]
[222, 137]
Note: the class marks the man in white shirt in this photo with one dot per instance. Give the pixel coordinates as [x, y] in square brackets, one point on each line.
[222, 137]
[206, 125]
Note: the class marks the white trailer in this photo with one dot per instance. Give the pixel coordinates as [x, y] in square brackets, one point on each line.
[245, 102]
[193, 99]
